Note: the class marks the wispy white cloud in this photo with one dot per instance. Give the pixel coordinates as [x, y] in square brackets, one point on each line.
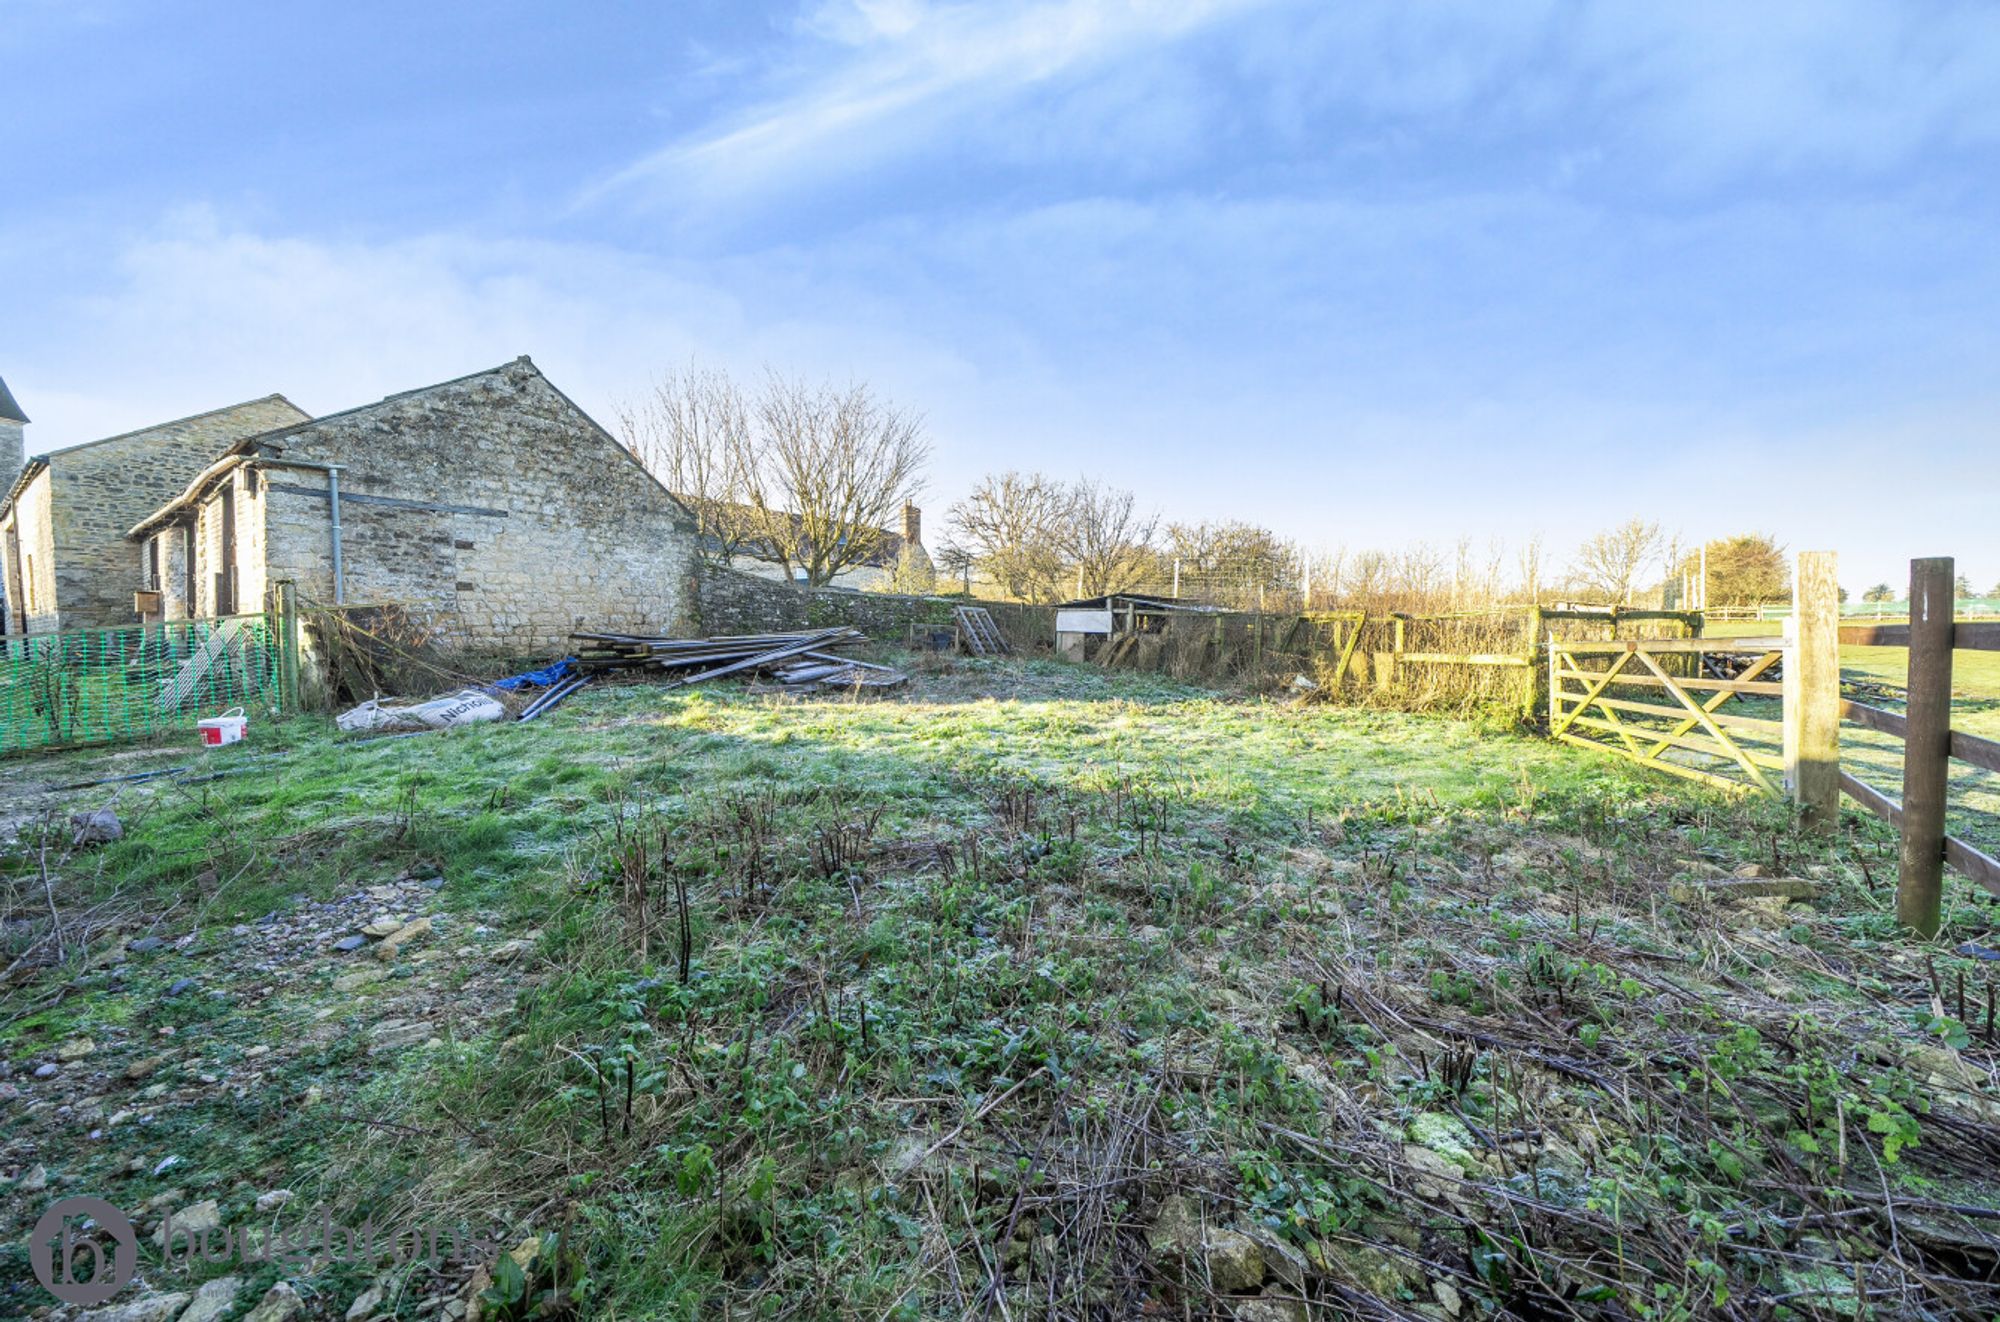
[1299, 93]
[1691, 90]
[901, 70]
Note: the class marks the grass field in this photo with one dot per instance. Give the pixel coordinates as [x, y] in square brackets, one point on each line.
[1032, 991]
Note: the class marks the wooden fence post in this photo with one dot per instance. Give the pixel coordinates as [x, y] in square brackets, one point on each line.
[1386, 662]
[1533, 697]
[288, 645]
[1812, 691]
[1926, 747]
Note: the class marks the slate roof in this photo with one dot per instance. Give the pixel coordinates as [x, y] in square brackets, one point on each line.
[227, 424]
[9, 410]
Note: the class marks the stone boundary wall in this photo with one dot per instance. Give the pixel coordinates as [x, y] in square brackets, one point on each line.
[734, 602]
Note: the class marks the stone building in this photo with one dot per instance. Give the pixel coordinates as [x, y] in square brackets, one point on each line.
[13, 457]
[492, 504]
[64, 558]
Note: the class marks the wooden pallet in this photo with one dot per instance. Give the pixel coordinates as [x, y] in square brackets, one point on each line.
[978, 633]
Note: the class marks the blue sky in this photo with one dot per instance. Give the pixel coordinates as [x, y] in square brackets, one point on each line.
[1369, 272]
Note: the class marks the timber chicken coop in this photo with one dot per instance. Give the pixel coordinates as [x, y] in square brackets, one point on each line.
[1100, 628]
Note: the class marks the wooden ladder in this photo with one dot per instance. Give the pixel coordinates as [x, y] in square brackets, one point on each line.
[977, 630]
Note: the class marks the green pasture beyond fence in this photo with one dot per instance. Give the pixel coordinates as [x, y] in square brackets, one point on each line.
[1899, 609]
[102, 685]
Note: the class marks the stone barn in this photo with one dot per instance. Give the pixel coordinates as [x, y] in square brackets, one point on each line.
[491, 504]
[67, 563]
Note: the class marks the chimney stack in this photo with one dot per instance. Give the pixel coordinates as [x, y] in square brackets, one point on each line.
[13, 436]
[913, 525]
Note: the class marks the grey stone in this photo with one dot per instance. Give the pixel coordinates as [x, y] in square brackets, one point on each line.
[1269, 1310]
[181, 986]
[358, 979]
[394, 1034]
[1235, 1263]
[150, 1308]
[145, 945]
[366, 1303]
[1231, 1260]
[96, 828]
[350, 943]
[1380, 1272]
[213, 1300]
[1282, 1261]
[280, 1304]
[195, 1221]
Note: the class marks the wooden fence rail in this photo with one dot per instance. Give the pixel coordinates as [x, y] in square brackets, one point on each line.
[1929, 745]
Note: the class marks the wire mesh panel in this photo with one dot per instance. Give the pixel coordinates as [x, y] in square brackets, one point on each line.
[102, 685]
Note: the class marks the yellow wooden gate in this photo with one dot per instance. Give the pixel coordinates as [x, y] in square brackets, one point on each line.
[1638, 698]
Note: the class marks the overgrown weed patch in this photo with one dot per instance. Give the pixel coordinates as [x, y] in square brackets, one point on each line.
[985, 994]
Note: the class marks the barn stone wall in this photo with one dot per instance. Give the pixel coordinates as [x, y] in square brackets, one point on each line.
[492, 503]
[102, 489]
[29, 544]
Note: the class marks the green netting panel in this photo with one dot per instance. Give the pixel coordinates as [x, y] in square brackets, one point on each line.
[97, 685]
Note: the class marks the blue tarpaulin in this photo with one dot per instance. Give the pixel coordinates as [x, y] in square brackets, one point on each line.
[540, 679]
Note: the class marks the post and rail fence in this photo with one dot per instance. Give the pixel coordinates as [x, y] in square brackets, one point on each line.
[1929, 744]
[1663, 703]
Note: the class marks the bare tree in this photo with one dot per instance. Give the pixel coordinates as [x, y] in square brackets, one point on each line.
[1106, 539]
[1230, 563]
[836, 464]
[1529, 560]
[1417, 577]
[1010, 528]
[693, 433]
[1366, 585]
[1325, 574]
[954, 561]
[1612, 562]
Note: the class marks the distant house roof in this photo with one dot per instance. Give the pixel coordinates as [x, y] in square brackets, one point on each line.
[9, 410]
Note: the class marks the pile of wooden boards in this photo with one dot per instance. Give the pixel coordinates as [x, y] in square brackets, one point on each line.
[803, 659]
[835, 673]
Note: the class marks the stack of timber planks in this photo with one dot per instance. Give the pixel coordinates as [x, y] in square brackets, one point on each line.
[801, 659]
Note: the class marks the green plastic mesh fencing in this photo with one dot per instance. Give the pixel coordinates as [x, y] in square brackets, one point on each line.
[100, 685]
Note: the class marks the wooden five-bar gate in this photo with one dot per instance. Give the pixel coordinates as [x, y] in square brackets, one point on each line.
[1650, 699]
[1704, 709]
